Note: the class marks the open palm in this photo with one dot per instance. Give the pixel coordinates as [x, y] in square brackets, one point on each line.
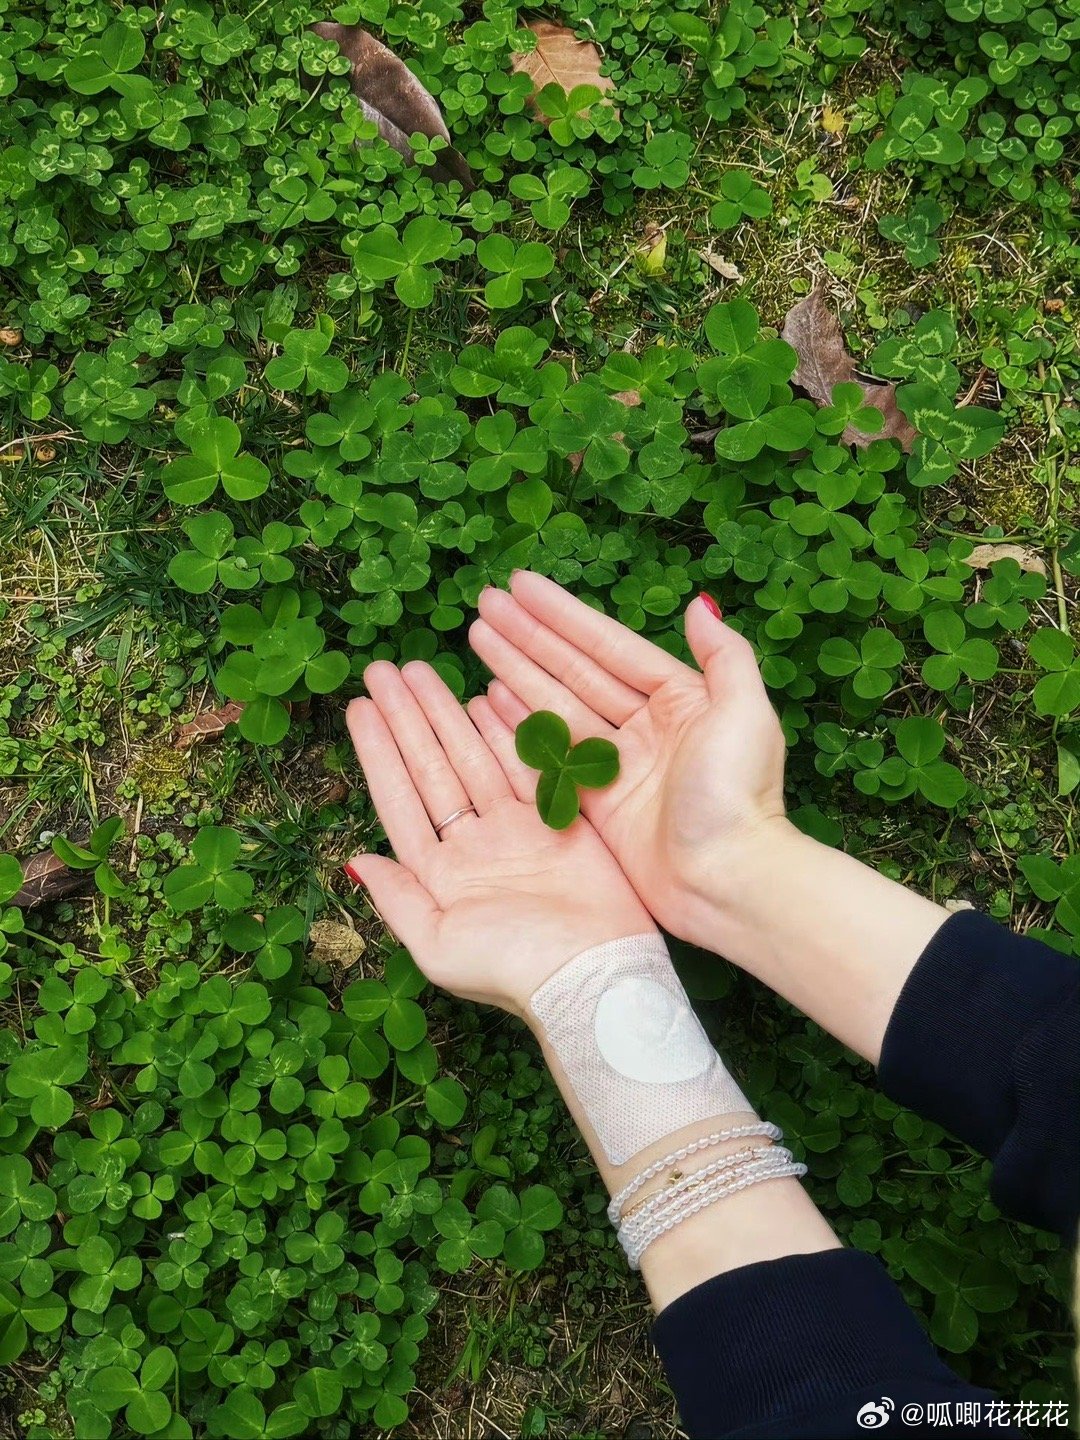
[494, 903]
[701, 752]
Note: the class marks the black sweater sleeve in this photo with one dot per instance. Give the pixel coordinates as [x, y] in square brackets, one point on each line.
[985, 1039]
[798, 1347]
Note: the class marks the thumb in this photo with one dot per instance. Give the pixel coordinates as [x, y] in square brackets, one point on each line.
[400, 900]
[727, 660]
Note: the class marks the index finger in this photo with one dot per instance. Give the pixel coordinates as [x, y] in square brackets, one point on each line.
[392, 789]
[627, 656]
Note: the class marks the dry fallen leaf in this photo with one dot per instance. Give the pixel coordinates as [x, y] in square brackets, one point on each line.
[833, 121]
[983, 556]
[560, 58]
[46, 877]
[334, 944]
[814, 333]
[724, 268]
[210, 725]
[390, 94]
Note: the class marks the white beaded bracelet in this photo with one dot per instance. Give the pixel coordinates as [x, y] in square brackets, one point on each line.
[706, 1142]
[665, 1203]
[636, 1244]
[635, 1250]
[741, 1160]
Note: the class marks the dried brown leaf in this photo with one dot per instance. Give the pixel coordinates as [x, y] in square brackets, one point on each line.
[334, 944]
[833, 121]
[210, 725]
[983, 556]
[814, 333]
[724, 268]
[46, 877]
[390, 94]
[560, 58]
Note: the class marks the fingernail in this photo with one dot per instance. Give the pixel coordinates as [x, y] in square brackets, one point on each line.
[714, 609]
[353, 873]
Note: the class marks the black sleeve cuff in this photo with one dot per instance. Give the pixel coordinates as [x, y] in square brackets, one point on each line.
[985, 1039]
[794, 1347]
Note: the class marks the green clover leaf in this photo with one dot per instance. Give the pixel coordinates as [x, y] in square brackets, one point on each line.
[512, 266]
[543, 743]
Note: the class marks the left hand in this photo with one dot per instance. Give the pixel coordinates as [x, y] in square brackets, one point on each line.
[496, 903]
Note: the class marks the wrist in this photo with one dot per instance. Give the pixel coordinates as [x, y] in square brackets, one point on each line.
[628, 1053]
[830, 934]
[737, 882]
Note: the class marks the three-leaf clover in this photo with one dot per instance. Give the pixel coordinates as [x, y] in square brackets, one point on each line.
[512, 265]
[523, 1220]
[304, 365]
[210, 875]
[543, 743]
[407, 259]
[215, 459]
[741, 198]
[106, 63]
[548, 196]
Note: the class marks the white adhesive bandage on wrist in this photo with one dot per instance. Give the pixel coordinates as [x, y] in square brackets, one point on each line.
[634, 1052]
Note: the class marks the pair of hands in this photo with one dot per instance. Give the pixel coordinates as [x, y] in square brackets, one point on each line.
[497, 902]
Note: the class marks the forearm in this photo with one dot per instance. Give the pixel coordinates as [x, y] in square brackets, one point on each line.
[827, 933]
[631, 1127]
[969, 1025]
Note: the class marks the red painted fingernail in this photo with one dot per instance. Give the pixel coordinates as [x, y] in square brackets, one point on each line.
[714, 609]
[353, 873]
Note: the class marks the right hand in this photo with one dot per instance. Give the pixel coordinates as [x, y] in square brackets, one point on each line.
[697, 811]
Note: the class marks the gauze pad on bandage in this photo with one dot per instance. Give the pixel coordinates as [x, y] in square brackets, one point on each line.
[634, 1052]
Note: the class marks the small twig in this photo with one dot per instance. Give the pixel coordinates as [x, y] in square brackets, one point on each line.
[976, 387]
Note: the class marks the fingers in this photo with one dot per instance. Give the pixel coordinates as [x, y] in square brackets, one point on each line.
[395, 797]
[726, 658]
[533, 685]
[604, 693]
[465, 748]
[506, 704]
[425, 759]
[401, 901]
[635, 661]
[500, 737]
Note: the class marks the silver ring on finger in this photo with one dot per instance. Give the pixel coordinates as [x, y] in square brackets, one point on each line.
[457, 815]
